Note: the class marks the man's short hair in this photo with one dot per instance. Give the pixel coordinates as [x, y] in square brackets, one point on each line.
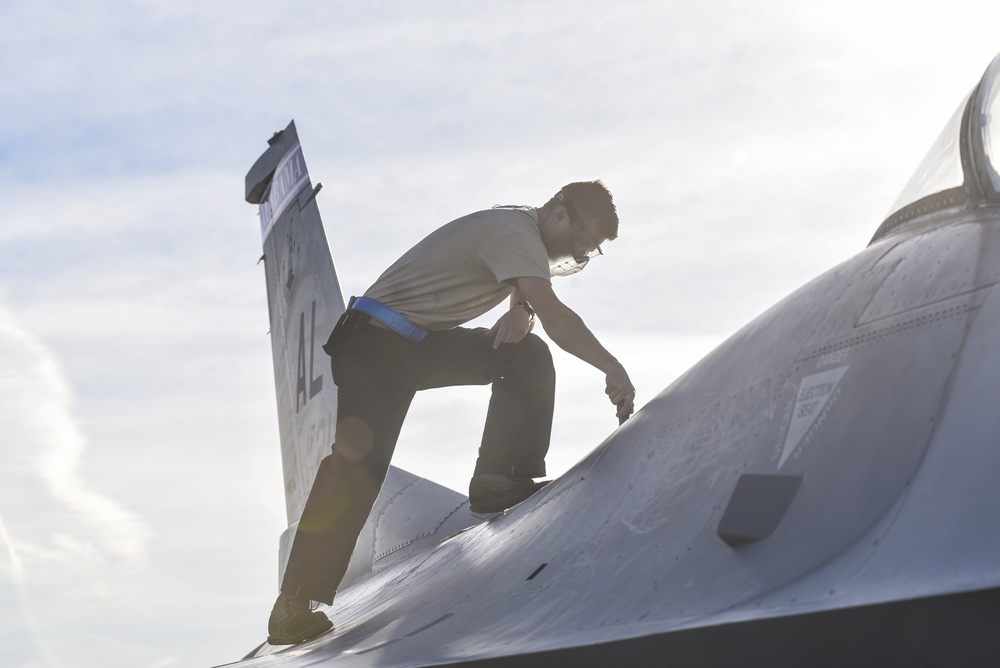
[590, 199]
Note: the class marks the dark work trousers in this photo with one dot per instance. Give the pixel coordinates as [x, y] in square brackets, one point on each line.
[377, 373]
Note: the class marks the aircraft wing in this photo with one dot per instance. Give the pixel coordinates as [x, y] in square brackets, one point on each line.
[821, 489]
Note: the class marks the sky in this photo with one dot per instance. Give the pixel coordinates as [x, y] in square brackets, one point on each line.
[749, 146]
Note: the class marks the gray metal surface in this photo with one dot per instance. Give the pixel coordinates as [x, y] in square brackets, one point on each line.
[874, 385]
[304, 302]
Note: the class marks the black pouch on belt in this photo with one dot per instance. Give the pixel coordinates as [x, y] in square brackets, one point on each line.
[339, 332]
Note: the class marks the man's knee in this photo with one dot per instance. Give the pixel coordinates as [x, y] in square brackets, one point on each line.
[536, 349]
[531, 361]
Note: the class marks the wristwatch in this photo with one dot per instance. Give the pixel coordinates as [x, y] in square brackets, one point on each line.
[527, 307]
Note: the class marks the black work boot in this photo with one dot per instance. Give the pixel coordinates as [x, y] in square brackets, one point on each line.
[493, 493]
[293, 621]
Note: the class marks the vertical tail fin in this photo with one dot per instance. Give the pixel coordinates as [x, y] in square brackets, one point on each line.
[304, 303]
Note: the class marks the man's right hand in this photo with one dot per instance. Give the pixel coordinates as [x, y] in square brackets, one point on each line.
[621, 392]
[569, 332]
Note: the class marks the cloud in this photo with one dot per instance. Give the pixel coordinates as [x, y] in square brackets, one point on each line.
[163, 663]
[41, 457]
[16, 567]
[69, 547]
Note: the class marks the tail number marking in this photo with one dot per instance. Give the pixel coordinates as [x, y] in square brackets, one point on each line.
[307, 385]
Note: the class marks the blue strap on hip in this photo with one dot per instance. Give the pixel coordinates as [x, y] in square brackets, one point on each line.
[391, 319]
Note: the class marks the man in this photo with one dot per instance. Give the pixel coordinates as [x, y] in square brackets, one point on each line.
[404, 335]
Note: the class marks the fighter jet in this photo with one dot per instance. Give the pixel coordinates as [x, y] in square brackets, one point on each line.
[821, 489]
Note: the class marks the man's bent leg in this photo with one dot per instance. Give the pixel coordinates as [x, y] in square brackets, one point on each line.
[519, 420]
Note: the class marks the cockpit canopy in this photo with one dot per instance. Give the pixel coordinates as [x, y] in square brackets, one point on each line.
[962, 167]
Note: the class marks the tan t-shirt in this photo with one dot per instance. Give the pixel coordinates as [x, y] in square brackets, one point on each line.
[460, 271]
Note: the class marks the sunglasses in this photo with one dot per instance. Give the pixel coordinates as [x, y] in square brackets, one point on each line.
[579, 261]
